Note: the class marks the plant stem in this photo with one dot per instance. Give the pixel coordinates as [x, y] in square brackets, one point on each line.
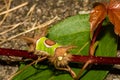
[92, 44]
[17, 53]
[95, 59]
[75, 58]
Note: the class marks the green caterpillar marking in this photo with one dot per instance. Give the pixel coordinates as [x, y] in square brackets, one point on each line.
[43, 46]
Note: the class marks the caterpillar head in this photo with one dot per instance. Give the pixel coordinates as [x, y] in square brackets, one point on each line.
[61, 56]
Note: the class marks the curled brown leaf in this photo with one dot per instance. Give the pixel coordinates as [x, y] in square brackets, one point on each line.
[114, 15]
[101, 10]
[97, 15]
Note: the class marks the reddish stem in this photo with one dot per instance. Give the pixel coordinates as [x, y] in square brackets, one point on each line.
[96, 59]
[91, 51]
[75, 58]
[17, 53]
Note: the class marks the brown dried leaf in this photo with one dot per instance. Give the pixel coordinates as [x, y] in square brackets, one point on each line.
[114, 14]
[96, 16]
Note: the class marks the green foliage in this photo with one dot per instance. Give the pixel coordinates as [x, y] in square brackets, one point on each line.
[107, 46]
[74, 31]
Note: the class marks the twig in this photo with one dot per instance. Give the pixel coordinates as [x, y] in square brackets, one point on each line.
[31, 10]
[5, 16]
[3, 7]
[14, 26]
[10, 10]
[33, 28]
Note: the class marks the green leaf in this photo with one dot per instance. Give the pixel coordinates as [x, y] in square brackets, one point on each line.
[74, 31]
[107, 42]
[107, 47]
